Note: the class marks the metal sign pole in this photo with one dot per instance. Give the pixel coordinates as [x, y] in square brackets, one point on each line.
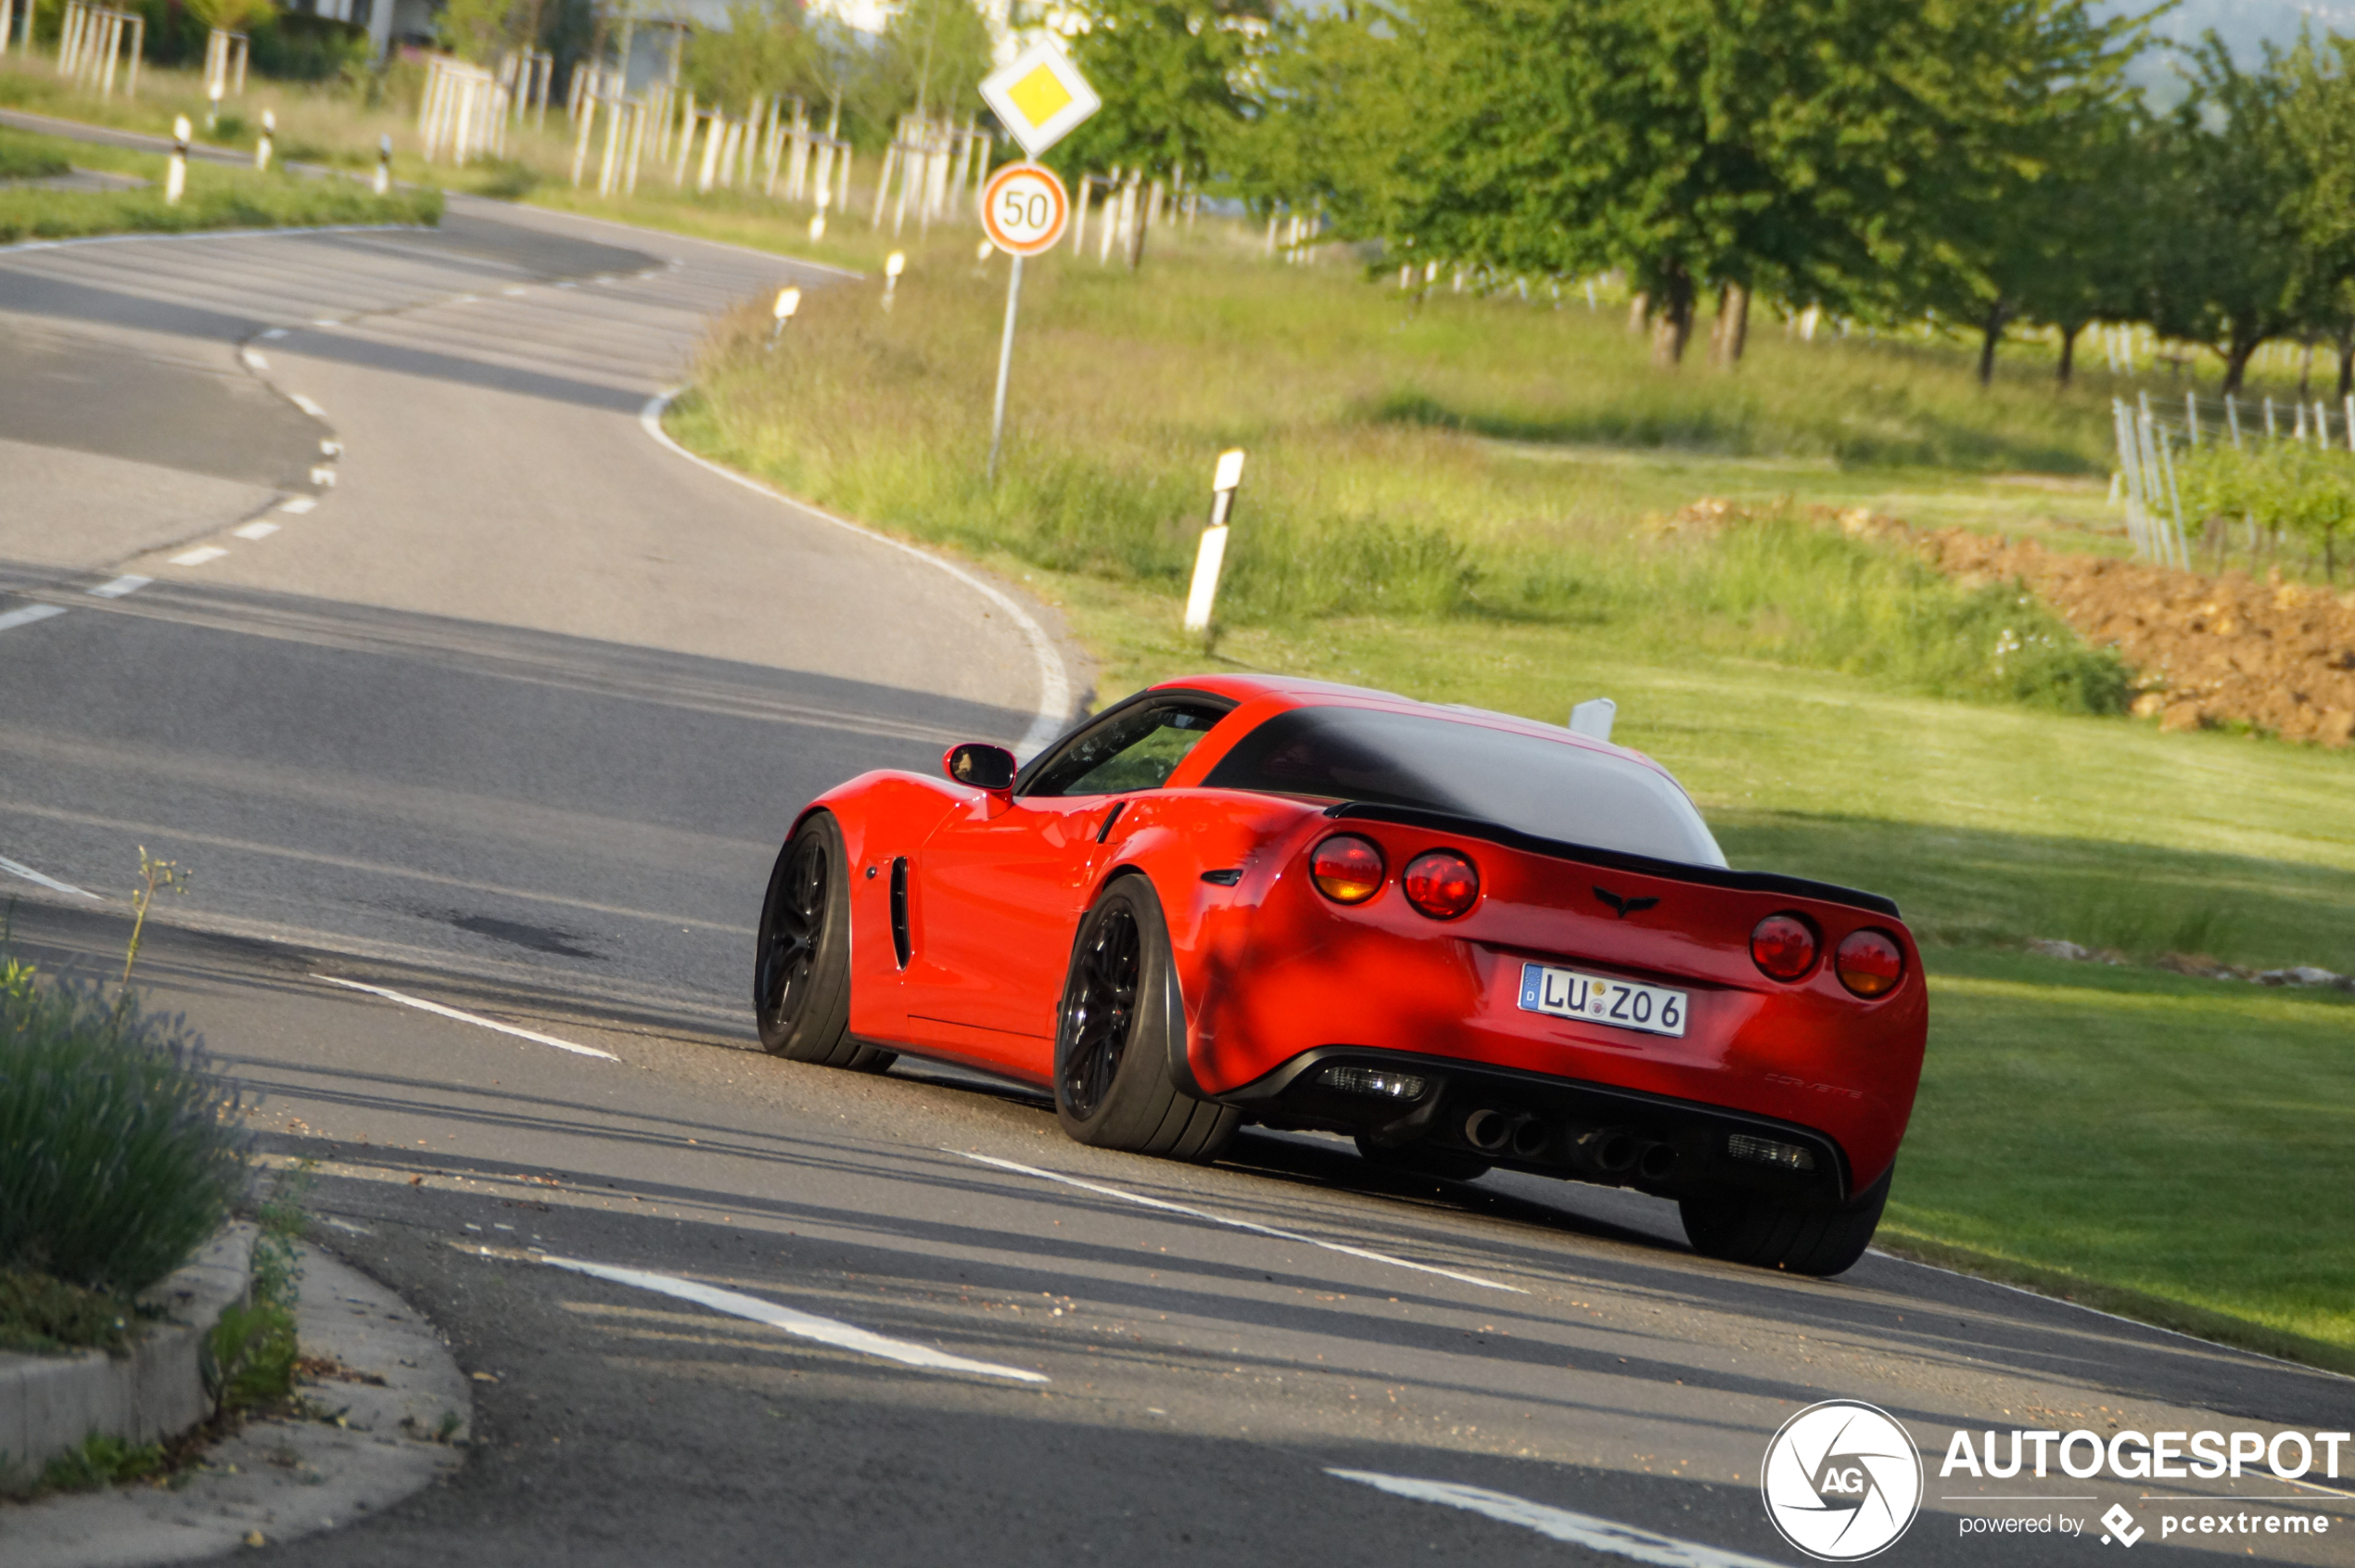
[1005, 363]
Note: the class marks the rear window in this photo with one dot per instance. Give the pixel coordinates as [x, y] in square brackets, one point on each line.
[1549, 789]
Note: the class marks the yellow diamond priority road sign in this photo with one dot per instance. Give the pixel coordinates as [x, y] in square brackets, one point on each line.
[1039, 96]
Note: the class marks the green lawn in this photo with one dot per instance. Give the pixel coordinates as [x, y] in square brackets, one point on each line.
[216, 198]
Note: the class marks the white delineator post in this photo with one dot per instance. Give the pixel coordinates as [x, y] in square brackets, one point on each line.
[175, 175]
[384, 164]
[894, 264]
[262, 148]
[788, 302]
[1212, 556]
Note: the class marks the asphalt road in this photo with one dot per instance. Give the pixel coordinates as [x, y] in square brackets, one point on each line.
[508, 720]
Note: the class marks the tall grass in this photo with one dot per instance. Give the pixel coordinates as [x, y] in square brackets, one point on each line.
[119, 1147]
[1361, 501]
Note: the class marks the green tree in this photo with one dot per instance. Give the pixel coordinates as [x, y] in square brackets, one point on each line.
[232, 16]
[762, 50]
[1171, 74]
[480, 31]
[931, 58]
[1833, 150]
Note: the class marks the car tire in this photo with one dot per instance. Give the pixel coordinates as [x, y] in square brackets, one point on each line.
[1121, 1017]
[801, 956]
[1769, 1234]
[1422, 1159]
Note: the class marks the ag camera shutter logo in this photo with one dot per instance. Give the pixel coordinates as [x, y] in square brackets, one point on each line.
[1842, 1480]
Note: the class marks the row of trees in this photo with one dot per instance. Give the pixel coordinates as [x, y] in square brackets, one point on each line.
[1988, 164]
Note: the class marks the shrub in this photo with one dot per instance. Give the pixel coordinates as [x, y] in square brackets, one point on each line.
[121, 1150]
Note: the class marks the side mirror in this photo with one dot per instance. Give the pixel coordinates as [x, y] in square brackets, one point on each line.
[980, 766]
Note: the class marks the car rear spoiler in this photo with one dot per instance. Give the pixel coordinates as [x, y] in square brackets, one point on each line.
[1617, 860]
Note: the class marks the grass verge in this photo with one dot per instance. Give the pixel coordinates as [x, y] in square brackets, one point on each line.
[216, 197]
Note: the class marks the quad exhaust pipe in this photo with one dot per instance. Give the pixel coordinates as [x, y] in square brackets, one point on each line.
[1616, 1153]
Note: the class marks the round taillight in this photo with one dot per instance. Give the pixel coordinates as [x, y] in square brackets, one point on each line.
[1347, 869]
[1441, 882]
[1869, 963]
[1784, 946]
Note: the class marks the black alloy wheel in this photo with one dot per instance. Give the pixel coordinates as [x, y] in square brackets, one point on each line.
[791, 927]
[801, 959]
[1100, 1011]
[1121, 1030]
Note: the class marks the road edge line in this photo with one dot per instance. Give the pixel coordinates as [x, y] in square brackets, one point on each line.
[1054, 679]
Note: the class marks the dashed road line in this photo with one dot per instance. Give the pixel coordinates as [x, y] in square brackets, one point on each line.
[802, 1325]
[299, 504]
[1559, 1524]
[323, 475]
[275, 333]
[27, 615]
[307, 406]
[434, 1007]
[1169, 1207]
[129, 584]
[255, 531]
[254, 360]
[199, 555]
[15, 868]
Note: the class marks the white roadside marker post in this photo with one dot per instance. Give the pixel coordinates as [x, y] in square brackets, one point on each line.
[818, 223]
[384, 164]
[1213, 555]
[262, 148]
[175, 173]
[788, 302]
[212, 109]
[894, 264]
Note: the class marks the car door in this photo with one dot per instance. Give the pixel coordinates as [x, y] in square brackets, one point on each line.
[1004, 884]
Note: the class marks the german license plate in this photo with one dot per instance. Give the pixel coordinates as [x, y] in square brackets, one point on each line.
[1565, 993]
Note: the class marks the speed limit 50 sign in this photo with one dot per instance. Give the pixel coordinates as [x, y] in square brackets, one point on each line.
[1024, 208]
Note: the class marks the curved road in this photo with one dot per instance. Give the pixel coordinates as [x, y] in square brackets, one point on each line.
[500, 706]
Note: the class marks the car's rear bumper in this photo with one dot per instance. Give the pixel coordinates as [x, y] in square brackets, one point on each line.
[1550, 1126]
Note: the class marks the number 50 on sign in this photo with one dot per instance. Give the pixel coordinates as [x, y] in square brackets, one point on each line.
[1024, 208]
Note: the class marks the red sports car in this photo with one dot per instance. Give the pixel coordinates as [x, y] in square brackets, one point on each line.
[1466, 940]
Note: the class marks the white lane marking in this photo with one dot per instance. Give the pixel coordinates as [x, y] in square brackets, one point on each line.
[434, 1007]
[518, 289]
[299, 504]
[1238, 1224]
[199, 555]
[16, 869]
[323, 475]
[465, 299]
[568, 282]
[1561, 1523]
[254, 361]
[1055, 681]
[348, 1225]
[805, 1325]
[119, 587]
[324, 321]
[330, 449]
[30, 613]
[275, 333]
[307, 406]
[255, 531]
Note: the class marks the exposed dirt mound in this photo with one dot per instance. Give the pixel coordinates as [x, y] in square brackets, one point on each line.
[2207, 650]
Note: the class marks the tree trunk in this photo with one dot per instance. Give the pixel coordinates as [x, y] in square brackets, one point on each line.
[1673, 318]
[1730, 334]
[2346, 346]
[2238, 353]
[1640, 310]
[2305, 372]
[1997, 315]
[2068, 331]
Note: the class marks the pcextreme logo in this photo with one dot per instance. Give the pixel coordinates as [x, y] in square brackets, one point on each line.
[1841, 1481]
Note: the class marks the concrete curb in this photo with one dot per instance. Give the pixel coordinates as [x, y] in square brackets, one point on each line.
[49, 1404]
[395, 1424]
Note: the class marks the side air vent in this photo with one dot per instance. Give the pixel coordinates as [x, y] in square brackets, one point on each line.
[900, 910]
